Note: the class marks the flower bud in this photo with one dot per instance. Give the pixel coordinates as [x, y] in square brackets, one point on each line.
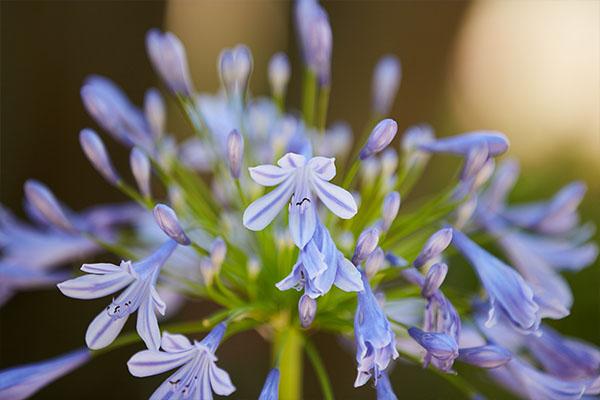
[434, 246]
[389, 162]
[495, 142]
[140, 167]
[316, 39]
[307, 309]
[412, 140]
[439, 345]
[381, 136]
[253, 267]
[490, 356]
[169, 60]
[154, 111]
[43, 201]
[96, 152]
[374, 262]
[218, 251]
[167, 220]
[434, 279]
[270, 390]
[474, 161]
[366, 243]
[465, 211]
[386, 81]
[207, 270]
[279, 73]
[235, 153]
[235, 67]
[391, 205]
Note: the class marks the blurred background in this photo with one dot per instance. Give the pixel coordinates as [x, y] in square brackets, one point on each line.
[530, 69]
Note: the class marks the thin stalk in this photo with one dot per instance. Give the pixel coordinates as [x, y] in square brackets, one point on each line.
[322, 108]
[289, 342]
[309, 96]
[317, 363]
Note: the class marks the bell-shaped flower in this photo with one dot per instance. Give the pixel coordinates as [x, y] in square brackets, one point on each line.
[139, 279]
[198, 375]
[508, 292]
[321, 265]
[23, 381]
[384, 388]
[270, 390]
[297, 181]
[375, 339]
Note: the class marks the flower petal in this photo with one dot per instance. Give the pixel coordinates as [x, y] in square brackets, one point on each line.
[103, 330]
[292, 280]
[323, 167]
[268, 175]
[292, 160]
[101, 268]
[338, 200]
[347, 277]
[95, 286]
[174, 343]
[262, 211]
[147, 324]
[220, 381]
[149, 362]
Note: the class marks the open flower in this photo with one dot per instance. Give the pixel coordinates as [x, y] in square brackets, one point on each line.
[296, 181]
[198, 376]
[140, 279]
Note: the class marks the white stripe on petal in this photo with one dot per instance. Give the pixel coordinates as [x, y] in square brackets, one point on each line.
[263, 210]
[268, 175]
[149, 362]
[103, 330]
[323, 167]
[338, 200]
[95, 286]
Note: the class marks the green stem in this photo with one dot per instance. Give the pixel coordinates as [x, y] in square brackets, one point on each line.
[309, 96]
[317, 363]
[322, 108]
[289, 343]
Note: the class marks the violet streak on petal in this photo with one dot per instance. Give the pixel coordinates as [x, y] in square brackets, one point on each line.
[167, 220]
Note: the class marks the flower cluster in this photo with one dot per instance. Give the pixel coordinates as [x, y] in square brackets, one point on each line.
[255, 204]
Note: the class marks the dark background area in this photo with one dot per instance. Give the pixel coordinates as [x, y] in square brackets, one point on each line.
[49, 47]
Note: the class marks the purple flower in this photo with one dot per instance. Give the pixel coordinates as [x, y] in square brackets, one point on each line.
[45, 203]
[279, 73]
[315, 37]
[297, 180]
[94, 149]
[140, 168]
[435, 245]
[155, 113]
[381, 136]
[375, 339]
[321, 265]
[23, 381]
[488, 356]
[235, 67]
[198, 375]
[391, 205]
[374, 262]
[438, 345]
[434, 279]
[307, 309]
[169, 60]
[508, 292]
[365, 245]
[384, 388]
[167, 220]
[139, 279]
[270, 390]
[235, 153]
[386, 81]
[463, 144]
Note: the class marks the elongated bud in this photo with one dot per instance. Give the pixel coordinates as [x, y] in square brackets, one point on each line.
[439, 345]
[235, 67]
[218, 251]
[366, 243]
[270, 390]
[496, 143]
[307, 309]
[253, 267]
[374, 262]
[391, 205]
[465, 211]
[434, 279]
[96, 152]
[434, 246]
[207, 270]
[279, 73]
[154, 111]
[489, 356]
[316, 41]
[474, 161]
[43, 200]
[381, 136]
[167, 55]
[140, 167]
[235, 153]
[167, 220]
[386, 81]
[389, 162]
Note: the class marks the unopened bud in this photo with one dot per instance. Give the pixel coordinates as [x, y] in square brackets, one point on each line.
[235, 153]
[167, 220]
[434, 279]
[434, 246]
[235, 67]
[474, 161]
[167, 55]
[279, 73]
[381, 136]
[374, 262]
[489, 356]
[154, 111]
[43, 201]
[140, 167]
[96, 152]
[386, 81]
[391, 205]
[307, 309]
[440, 345]
[365, 245]
[218, 251]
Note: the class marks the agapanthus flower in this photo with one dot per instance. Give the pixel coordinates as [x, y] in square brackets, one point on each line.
[384, 388]
[297, 181]
[198, 375]
[495, 142]
[23, 381]
[386, 81]
[270, 390]
[375, 339]
[169, 60]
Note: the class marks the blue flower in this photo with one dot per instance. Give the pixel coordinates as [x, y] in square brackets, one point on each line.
[296, 181]
[439, 345]
[386, 81]
[169, 60]
[375, 339]
[463, 144]
[270, 390]
[384, 388]
[198, 375]
[321, 265]
[139, 279]
[23, 381]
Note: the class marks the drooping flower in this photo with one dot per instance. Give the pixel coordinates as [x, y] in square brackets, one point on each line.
[321, 265]
[270, 390]
[139, 279]
[198, 375]
[375, 339]
[487, 356]
[23, 381]
[297, 180]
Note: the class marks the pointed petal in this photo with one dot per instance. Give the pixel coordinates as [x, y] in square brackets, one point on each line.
[220, 381]
[338, 200]
[147, 324]
[262, 211]
[174, 343]
[292, 280]
[348, 278]
[302, 223]
[101, 268]
[159, 303]
[292, 160]
[323, 167]
[269, 175]
[103, 330]
[95, 286]
[149, 362]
